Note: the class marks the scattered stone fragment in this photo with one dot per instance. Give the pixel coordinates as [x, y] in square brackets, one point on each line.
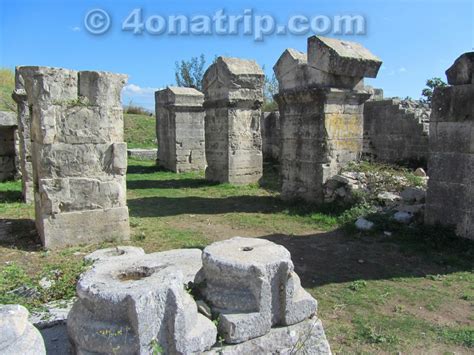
[403, 217]
[413, 194]
[388, 197]
[420, 172]
[364, 224]
[17, 335]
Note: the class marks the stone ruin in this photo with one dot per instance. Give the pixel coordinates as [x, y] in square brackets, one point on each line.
[8, 145]
[247, 299]
[233, 91]
[450, 196]
[180, 129]
[78, 155]
[320, 99]
[24, 135]
[270, 126]
[17, 335]
[396, 131]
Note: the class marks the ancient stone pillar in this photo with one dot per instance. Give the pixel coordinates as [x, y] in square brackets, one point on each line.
[450, 195]
[180, 129]
[8, 151]
[321, 99]
[79, 157]
[24, 135]
[233, 91]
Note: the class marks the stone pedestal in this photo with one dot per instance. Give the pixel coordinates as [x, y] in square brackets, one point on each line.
[24, 134]
[321, 113]
[450, 195]
[8, 145]
[233, 97]
[79, 157]
[180, 129]
[251, 284]
[132, 303]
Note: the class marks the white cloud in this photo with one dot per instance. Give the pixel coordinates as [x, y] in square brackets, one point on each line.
[402, 70]
[139, 96]
[135, 90]
[75, 29]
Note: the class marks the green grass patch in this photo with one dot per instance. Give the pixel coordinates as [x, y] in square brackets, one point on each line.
[140, 131]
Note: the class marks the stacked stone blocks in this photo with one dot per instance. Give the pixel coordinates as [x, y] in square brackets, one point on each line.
[180, 129]
[233, 91]
[321, 99]
[79, 157]
[450, 196]
[8, 145]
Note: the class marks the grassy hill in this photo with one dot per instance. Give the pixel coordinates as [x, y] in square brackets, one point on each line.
[140, 131]
[7, 84]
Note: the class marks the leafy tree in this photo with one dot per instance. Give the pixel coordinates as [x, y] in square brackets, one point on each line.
[431, 84]
[270, 88]
[189, 73]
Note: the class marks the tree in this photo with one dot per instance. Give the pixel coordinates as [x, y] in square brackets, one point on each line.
[189, 73]
[431, 84]
[270, 88]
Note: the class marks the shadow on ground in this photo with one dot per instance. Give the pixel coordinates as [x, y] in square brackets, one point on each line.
[336, 257]
[169, 206]
[10, 196]
[19, 234]
[169, 184]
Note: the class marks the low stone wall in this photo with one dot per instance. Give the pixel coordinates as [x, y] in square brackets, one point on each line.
[270, 127]
[450, 197]
[8, 145]
[396, 131]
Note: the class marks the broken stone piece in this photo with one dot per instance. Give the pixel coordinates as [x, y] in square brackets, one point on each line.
[342, 57]
[17, 335]
[251, 284]
[462, 71]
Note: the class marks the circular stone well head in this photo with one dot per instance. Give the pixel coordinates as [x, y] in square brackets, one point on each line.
[112, 253]
[246, 251]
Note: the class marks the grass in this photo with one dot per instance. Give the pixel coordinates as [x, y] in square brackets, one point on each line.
[140, 131]
[7, 84]
[412, 292]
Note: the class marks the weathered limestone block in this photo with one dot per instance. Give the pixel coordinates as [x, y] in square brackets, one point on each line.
[342, 57]
[320, 101]
[180, 129]
[252, 285]
[17, 335]
[233, 97]
[396, 131]
[450, 195]
[8, 145]
[24, 135]
[78, 154]
[306, 337]
[143, 154]
[462, 71]
[270, 127]
[129, 303]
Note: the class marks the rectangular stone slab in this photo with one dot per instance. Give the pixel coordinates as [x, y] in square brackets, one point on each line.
[342, 57]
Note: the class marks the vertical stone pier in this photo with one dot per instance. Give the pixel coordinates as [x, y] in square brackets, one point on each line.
[8, 145]
[321, 100]
[450, 196]
[79, 157]
[24, 135]
[233, 91]
[180, 129]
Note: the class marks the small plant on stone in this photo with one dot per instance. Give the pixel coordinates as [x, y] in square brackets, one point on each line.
[156, 348]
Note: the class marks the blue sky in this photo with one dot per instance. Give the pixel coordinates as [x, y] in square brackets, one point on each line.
[416, 39]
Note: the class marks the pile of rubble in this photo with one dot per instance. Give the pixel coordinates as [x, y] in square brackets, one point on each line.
[387, 192]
